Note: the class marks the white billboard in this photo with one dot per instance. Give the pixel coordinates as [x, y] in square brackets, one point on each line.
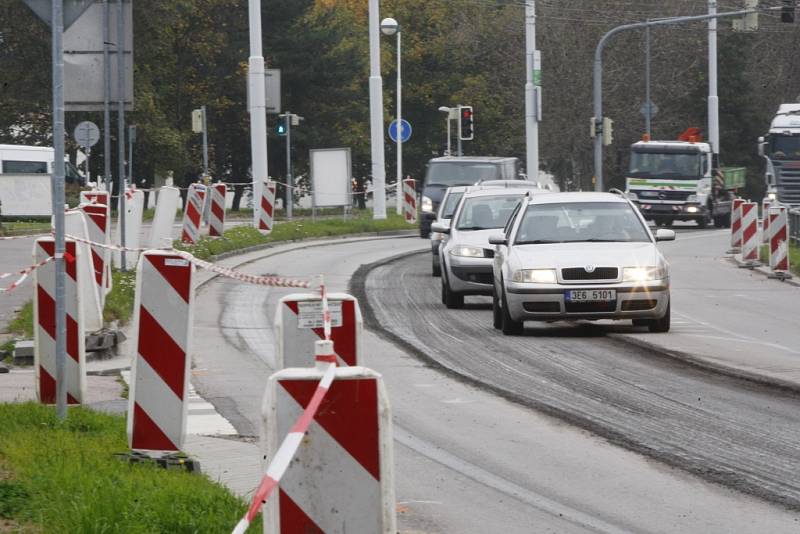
[25, 195]
[331, 172]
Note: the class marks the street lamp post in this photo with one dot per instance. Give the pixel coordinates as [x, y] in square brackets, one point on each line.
[389, 26]
[258, 108]
[376, 113]
[445, 109]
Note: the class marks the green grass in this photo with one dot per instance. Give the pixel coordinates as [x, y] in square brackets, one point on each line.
[22, 323]
[119, 302]
[62, 477]
[24, 227]
[794, 257]
[244, 236]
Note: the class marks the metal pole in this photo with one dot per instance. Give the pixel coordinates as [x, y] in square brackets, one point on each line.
[399, 185]
[531, 93]
[289, 196]
[258, 109]
[458, 131]
[88, 172]
[376, 114]
[205, 142]
[713, 99]
[648, 117]
[58, 206]
[130, 154]
[107, 97]
[121, 125]
[449, 135]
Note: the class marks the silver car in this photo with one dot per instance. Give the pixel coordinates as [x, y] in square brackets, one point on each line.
[579, 256]
[466, 256]
[447, 208]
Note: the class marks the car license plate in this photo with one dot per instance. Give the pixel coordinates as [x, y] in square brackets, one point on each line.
[591, 295]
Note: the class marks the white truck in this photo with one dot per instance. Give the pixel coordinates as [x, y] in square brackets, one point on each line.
[781, 150]
[673, 181]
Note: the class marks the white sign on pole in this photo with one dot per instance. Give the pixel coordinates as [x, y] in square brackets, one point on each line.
[331, 171]
[272, 84]
[86, 134]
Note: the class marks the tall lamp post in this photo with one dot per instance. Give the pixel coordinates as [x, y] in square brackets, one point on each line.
[258, 108]
[389, 26]
[376, 113]
[449, 111]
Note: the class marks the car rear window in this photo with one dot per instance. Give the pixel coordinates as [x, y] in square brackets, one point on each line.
[450, 205]
[574, 222]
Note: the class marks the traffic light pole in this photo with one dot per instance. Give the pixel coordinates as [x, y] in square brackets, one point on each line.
[289, 179]
[205, 143]
[531, 94]
[459, 150]
[598, 72]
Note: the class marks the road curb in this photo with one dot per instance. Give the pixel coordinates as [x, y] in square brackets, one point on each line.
[762, 270]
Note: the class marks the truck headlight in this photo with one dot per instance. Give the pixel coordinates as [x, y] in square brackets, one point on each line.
[772, 195]
[468, 252]
[535, 276]
[427, 204]
[643, 274]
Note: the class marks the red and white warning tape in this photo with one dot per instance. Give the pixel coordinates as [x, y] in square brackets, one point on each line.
[325, 356]
[23, 274]
[272, 281]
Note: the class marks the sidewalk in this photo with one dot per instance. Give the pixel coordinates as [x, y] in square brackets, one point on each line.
[733, 320]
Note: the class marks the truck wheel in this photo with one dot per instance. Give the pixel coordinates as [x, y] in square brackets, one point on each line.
[703, 222]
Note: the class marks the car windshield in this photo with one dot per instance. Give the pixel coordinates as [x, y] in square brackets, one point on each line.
[450, 205]
[666, 164]
[576, 222]
[486, 212]
[463, 173]
[785, 147]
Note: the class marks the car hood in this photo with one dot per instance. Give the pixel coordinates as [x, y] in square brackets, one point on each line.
[478, 238]
[560, 255]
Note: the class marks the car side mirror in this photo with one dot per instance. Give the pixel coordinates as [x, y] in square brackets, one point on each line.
[761, 146]
[663, 234]
[498, 239]
[441, 228]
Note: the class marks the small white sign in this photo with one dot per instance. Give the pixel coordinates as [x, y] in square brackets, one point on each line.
[309, 314]
[173, 262]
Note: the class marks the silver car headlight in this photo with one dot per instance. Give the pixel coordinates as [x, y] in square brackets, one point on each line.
[644, 274]
[427, 204]
[468, 252]
[535, 276]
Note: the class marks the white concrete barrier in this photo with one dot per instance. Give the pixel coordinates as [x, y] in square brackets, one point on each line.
[134, 209]
[26, 195]
[167, 205]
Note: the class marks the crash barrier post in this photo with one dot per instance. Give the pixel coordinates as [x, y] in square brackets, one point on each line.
[98, 222]
[95, 197]
[44, 317]
[736, 226]
[750, 241]
[342, 474]
[299, 325]
[167, 203]
[163, 314]
[794, 226]
[103, 198]
[193, 214]
[779, 242]
[134, 210]
[410, 200]
[216, 216]
[267, 216]
[766, 202]
[75, 225]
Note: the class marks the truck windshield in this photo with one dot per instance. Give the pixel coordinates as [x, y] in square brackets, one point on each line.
[666, 165]
[785, 147]
[448, 174]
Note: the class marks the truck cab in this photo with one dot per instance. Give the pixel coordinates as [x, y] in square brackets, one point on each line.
[781, 150]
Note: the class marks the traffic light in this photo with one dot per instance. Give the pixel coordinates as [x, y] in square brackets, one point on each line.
[788, 11]
[466, 131]
[280, 128]
[608, 131]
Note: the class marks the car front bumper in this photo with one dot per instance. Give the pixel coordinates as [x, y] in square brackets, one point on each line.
[547, 302]
[678, 212]
[469, 276]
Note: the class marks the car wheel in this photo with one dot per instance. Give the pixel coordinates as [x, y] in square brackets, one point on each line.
[703, 223]
[451, 300]
[719, 221]
[726, 220]
[436, 270]
[509, 326]
[660, 325]
[497, 312]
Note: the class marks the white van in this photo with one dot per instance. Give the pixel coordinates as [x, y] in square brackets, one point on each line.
[20, 159]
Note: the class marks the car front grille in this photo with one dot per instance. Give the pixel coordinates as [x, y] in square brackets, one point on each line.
[663, 194]
[580, 273]
[542, 307]
[590, 307]
[639, 305]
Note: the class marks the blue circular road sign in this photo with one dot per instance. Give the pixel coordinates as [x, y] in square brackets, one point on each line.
[405, 130]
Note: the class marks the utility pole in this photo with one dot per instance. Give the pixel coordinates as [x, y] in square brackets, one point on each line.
[107, 98]
[376, 114]
[58, 207]
[258, 109]
[205, 142]
[131, 141]
[399, 184]
[532, 92]
[289, 179]
[121, 126]
[713, 98]
[648, 115]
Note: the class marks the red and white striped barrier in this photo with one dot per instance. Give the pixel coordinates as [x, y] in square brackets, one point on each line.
[299, 325]
[750, 241]
[766, 203]
[95, 197]
[216, 216]
[98, 223]
[779, 242]
[167, 204]
[267, 213]
[192, 216]
[44, 318]
[410, 200]
[163, 316]
[75, 224]
[343, 473]
[736, 226]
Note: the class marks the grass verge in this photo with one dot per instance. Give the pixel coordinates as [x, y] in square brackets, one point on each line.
[24, 228]
[794, 257]
[119, 302]
[244, 236]
[62, 477]
[22, 323]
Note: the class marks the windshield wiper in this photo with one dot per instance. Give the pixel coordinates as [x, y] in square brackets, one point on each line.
[473, 228]
[537, 242]
[595, 240]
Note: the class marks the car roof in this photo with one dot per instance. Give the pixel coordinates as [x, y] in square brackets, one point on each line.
[495, 192]
[471, 159]
[558, 198]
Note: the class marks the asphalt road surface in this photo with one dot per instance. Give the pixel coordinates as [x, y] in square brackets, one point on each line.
[725, 430]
